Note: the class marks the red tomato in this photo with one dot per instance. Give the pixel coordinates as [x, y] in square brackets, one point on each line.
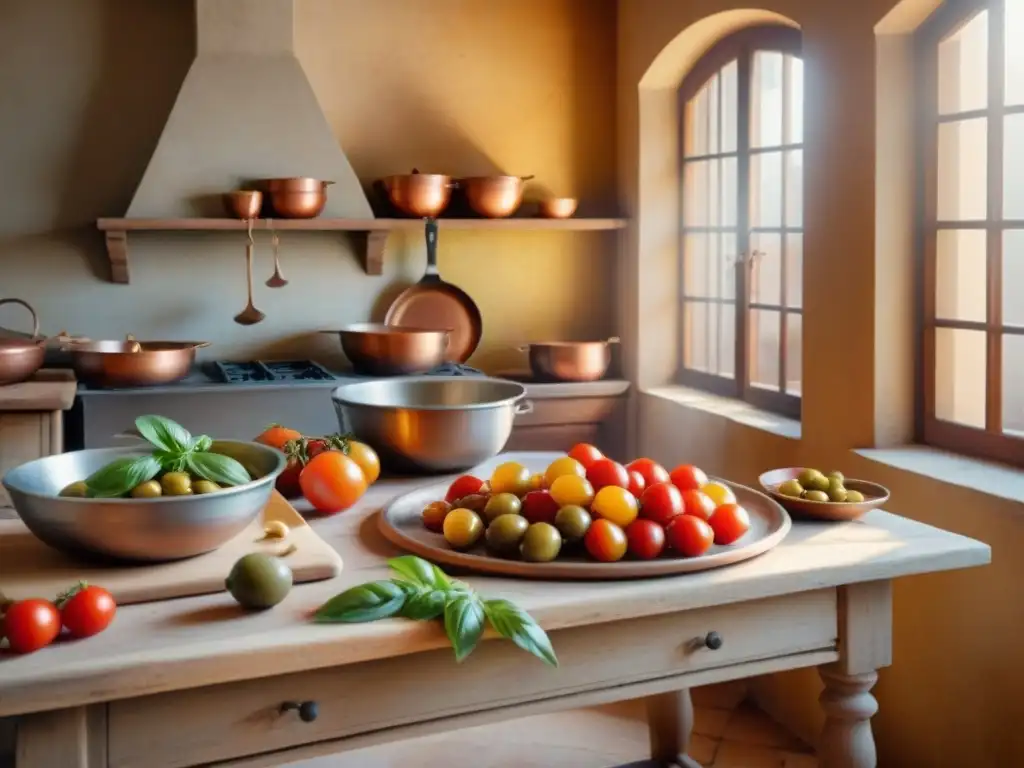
[690, 536]
[539, 507]
[687, 477]
[463, 486]
[661, 502]
[636, 483]
[605, 541]
[88, 611]
[276, 436]
[332, 482]
[729, 522]
[287, 482]
[645, 539]
[316, 446]
[651, 471]
[607, 472]
[31, 624]
[699, 504]
[585, 454]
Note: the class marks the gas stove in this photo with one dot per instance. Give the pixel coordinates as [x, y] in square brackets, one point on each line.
[280, 370]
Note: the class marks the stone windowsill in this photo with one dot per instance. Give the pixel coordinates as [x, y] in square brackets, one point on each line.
[736, 410]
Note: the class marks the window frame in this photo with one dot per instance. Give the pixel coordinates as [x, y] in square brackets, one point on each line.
[991, 442]
[740, 47]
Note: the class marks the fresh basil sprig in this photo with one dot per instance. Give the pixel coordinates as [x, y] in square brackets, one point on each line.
[121, 475]
[422, 591]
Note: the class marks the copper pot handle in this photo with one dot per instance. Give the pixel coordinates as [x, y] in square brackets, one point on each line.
[35, 317]
[613, 340]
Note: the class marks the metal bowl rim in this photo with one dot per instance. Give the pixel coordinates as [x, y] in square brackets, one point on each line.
[341, 400]
[282, 461]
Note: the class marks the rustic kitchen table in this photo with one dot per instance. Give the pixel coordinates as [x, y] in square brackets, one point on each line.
[198, 682]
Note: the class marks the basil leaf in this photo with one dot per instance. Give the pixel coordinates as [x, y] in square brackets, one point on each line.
[165, 434]
[424, 604]
[121, 475]
[464, 623]
[202, 443]
[217, 468]
[418, 571]
[511, 621]
[367, 602]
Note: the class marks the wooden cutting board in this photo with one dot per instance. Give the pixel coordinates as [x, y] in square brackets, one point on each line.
[29, 568]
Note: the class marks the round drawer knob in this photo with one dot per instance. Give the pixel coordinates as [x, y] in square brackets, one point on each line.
[308, 710]
[713, 641]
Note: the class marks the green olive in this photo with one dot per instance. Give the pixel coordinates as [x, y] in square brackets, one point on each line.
[76, 490]
[501, 504]
[259, 580]
[176, 484]
[572, 523]
[836, 492]
[204, 486]
[835, 474]
[147, 490]
[541, 544]
[813, 480]
[791, 488]
[463, 528]
[505, 533]
[854, 497]
[815, 496]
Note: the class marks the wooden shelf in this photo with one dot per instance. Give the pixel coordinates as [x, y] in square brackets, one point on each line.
[371, 234]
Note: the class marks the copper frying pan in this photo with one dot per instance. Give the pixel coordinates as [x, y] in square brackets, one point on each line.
[433, 303]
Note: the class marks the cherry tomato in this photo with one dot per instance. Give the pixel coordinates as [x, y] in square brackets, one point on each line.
[651, 471]
[31, 624]
[316, 446]
[434, 514]
[646, 539]
[661, 502]
[687, 477]
[366, 458]
[699, 504]
[605, 472]
[510, 477]
[536, 482]
[585, 454]
[720, 493]
[88, 611]
[570, 490]
[332, 482]
[605, 541]
[729, 522]
[287, 482]
[277, 436]
[636, 483]
[615, 504]
[466, 485]
[540, 507]
[690, 536]
[563, 466]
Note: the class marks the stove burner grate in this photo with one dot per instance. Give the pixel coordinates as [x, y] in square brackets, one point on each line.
[276, 370]
[454, 369]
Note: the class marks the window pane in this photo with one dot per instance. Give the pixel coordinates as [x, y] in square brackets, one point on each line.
[727, 263]
[695, 324]
[796, 99]
[766, 270]
[695, 264]
[795, 188]
[1013, 384]
[960, 376]
[764, 348]
[714, 195]
[696, 185]
[696, 137]
[794, 349]
[794, 270]
[766, 190]
[1014, 52]
[729, 93]
[963, 153]
[1013, 282]
[961, 274]
[727, 340]
[730, 192]
[963, 67]
[712, 88]
[1013, 167]
[766, 100]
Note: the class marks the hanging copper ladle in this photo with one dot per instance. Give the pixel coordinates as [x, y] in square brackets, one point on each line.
[250, 315]
[276, 280]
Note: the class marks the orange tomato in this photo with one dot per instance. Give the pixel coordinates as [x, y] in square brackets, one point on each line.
[605, 541]
[615, 504]
[699, 504]
[510, 477]
[563, 466]
[277, 436]
[366, 458]
[729, 523]
[332, 482]
[572, 490]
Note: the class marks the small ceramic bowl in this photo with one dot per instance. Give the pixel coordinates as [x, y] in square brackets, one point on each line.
[875, 496]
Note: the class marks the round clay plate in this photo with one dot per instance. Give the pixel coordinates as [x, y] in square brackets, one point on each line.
[875, 495]
[401, 524]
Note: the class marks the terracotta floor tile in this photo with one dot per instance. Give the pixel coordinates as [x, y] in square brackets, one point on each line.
[721, 696]
[748, 725]
[703, 749]
[733, 755]
[710, 722]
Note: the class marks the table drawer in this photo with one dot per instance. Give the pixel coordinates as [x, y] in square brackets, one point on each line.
[221, 722]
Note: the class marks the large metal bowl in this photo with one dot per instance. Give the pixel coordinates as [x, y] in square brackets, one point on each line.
[152, 530]
[431, 423]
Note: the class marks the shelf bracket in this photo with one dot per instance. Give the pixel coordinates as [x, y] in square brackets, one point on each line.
[371, 245]
[117, 253]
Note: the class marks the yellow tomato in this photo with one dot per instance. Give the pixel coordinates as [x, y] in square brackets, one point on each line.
[616, 505]
[510, 477]
[719, 493]
[563, 466]
[366, 458]
[572, 490]
[536, 482]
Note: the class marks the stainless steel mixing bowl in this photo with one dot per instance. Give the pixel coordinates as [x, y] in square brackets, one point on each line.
[153, 530]
[431, 423]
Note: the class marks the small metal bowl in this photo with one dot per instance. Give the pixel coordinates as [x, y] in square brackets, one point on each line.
[557, 207]
[149, 530]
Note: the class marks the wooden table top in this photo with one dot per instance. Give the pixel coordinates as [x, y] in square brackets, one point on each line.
[49, 389]
[200, 641]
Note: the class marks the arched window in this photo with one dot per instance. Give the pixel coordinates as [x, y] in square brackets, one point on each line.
[972, 238]
[742, 218]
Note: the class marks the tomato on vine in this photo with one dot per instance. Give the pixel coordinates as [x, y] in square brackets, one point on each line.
[86, 610]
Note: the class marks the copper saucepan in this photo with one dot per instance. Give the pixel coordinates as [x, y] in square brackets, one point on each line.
[132, 363]
[494, 196]
[377, 349]
[20, 358]
[297, 198]
[570, 360]
[419, 194]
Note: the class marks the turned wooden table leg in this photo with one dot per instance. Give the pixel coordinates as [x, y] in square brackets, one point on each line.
[846, 740]
[670, 723]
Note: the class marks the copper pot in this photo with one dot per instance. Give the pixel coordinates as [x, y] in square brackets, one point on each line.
[21, 358]
[132, 363]
[557, 207]
[494, 196]
[419, 194]
[570, 360]
[297, 198]
[377, 349]
[244, 204]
